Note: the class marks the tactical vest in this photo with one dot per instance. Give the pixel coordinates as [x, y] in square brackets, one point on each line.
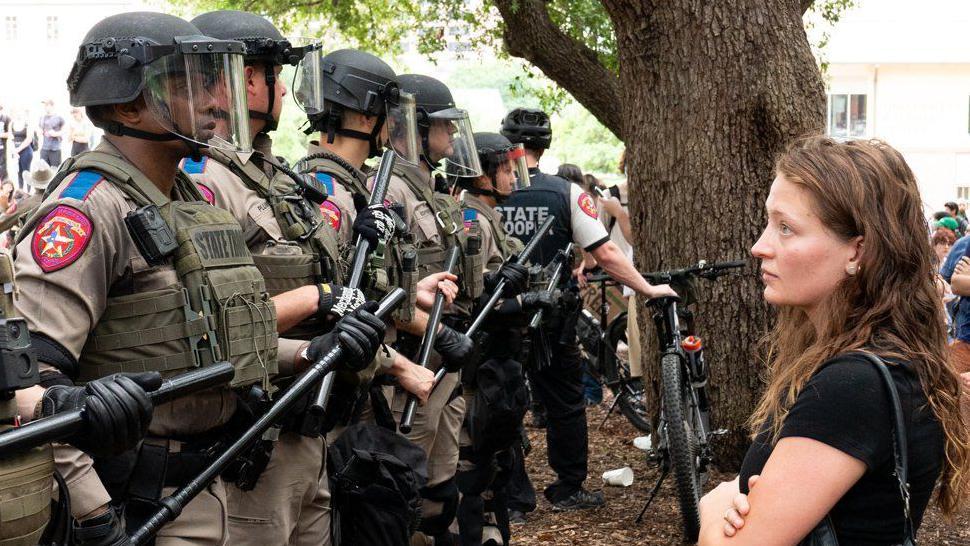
[26, 478]
[527, 208]
[449, 221]
[219, 310]
[392, 264]
[310, 253]
[507, 245]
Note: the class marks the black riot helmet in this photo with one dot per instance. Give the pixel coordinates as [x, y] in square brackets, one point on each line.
[446, 133]
[265, 45]
[528, 126]
[181, 74]
[498, 157]
[356, 81]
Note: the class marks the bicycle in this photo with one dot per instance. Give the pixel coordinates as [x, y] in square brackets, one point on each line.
[607, 365]
[684, 427]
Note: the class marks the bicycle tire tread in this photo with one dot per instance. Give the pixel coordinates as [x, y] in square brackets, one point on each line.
[678, 445]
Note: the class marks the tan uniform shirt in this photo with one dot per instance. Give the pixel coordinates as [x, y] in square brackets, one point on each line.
[340, 197]
[420, 216]
[65, 279]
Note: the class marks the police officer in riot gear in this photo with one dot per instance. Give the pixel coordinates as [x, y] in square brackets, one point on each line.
[352, 99]
[559, 385]
[493, 384]
[146, 276]
[434, 219]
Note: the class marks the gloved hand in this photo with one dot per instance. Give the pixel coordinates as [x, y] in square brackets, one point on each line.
[455, 348]
[104, 530]
[360, 334]
[534, 301]
[374, 222]
[117, 410]
[338, 300]
[516, 279]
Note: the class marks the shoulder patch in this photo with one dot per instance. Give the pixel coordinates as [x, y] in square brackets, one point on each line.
[191, 166]
[210, 197]
[326, 180]
[470, 216]
[81, 186]
[60, 238]
[587, 205]
[331, 213]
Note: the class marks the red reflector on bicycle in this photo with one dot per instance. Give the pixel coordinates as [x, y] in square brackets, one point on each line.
[691, 343]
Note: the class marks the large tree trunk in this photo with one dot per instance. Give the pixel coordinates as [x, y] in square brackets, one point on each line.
[711, 92]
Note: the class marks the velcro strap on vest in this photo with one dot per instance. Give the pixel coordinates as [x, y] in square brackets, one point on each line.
[431, 255]
[159, 334]
[158, 304]
[296, 271]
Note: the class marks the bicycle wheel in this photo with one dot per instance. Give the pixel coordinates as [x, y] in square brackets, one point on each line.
[630, 390]
[682, 446]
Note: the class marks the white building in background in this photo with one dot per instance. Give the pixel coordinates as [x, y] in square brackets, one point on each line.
[39, 40]
[900, 71]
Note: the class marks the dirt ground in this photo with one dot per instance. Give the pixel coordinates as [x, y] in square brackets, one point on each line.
[612, 447]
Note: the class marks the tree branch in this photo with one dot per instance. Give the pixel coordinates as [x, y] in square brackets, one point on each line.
[529, 33]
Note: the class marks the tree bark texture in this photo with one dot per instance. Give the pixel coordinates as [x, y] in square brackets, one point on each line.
[711, 93]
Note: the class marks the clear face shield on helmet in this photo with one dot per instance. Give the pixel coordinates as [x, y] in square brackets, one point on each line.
[452, 142]
[198, 92]
[308, 82]
[402, 128]
[521, 169]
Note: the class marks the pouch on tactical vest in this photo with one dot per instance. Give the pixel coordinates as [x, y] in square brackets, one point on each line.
[219, 309]
[310, 254]
[26, 477]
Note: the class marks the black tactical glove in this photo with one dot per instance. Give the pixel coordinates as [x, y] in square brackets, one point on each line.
[516, 279]
[455, 348]
[104, 530]
[360, 334]
[374, 222]
[117, 410]
[534, 301]
[338, 300]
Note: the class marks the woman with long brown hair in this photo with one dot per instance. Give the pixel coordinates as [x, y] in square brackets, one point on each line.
[845, 259]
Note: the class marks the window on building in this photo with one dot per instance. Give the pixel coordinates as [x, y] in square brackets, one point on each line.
[847, 115]
[963, 192]
[53, 29]
[10, 27]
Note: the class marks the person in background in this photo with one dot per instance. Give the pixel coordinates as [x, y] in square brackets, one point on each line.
[942, 240]
[23, 142]
[4, 136]
[571, 173]
[6, 194]
[52, 129]
[79, 132]
[954, 211]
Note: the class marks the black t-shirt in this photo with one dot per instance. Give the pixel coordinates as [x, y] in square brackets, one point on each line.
[845, 405]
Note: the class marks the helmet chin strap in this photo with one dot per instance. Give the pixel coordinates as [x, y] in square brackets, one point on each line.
[332, 127]
[267, 116]
[117, 129]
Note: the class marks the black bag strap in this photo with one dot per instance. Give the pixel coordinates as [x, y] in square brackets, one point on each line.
[900, 455]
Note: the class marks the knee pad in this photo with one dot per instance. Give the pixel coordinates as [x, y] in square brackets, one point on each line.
[445, 494]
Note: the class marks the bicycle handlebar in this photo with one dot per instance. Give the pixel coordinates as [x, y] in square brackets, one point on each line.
[700, 269]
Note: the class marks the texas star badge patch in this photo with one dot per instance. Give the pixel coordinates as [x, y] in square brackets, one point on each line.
[586, 203]
[331, 214]
[60, 238]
